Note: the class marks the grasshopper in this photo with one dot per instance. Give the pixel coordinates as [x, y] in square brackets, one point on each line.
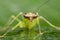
[29, 21]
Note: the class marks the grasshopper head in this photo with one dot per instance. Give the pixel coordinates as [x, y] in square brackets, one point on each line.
[30, 16]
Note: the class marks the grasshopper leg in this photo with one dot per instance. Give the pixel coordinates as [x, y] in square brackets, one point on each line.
[40, 32]
[39, 29]
[11, 21]
[41, 17]
[10, 30]
[14, 18]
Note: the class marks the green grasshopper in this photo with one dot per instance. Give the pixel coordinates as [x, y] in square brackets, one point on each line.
[29, 21]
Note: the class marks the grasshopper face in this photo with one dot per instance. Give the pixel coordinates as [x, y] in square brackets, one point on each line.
[30, 16]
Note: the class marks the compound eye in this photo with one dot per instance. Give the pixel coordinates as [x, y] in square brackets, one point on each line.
[25, 13]
[36, 13]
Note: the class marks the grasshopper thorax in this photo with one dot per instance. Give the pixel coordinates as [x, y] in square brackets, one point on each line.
[30, 16]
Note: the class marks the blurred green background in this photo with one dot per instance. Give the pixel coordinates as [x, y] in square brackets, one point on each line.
[50, 10]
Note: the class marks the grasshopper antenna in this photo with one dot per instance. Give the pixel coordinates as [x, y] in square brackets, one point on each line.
[42, 5]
